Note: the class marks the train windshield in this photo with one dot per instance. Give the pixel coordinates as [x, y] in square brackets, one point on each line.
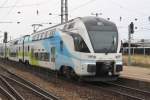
[104, 41]
[103, 34]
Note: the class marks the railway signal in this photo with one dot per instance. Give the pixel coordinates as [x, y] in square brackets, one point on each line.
[131, 31]
[131, 28]
[120, 18]
[5, 41]
[5, 37]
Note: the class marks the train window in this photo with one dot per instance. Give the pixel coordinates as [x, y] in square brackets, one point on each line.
[41, 36]
[30, 39]
[45, 34]
[45, 56]
[34, 37]
[16, 42]
[61, 45]
[42, 56]
[65, 27]
[48, 34]
[13, 54]
[104, 41]
[26, 39]
[79, 43]
[36, 56]
[53, 53]
[37, 37]
[32, 50]
[20, 41]
[28, 48]
[71, 25]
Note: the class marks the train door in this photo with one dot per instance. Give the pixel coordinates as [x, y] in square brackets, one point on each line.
[53, 57]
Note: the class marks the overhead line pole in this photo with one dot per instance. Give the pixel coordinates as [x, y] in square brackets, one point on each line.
[64, 11]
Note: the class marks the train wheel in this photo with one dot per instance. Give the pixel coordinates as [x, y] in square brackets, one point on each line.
[67, 72]
[27, 62]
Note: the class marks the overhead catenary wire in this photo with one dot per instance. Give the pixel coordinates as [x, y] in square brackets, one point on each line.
[82, 5]
[11, 9]
[5, 2]
[37, 4]
[25, 5]
[128, 9]
[113, 2]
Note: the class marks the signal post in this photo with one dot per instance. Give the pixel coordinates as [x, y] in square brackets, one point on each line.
[131, 31]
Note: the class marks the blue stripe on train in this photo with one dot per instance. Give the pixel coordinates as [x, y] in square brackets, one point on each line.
[62, 57]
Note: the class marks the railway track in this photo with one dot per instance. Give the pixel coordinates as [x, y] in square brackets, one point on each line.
[111, 91]
[127, 91]
[17, 88]
[4, 95]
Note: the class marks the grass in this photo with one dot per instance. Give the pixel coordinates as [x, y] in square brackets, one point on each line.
[138, 60]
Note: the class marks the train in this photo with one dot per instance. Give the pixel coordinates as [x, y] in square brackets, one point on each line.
[86, 47]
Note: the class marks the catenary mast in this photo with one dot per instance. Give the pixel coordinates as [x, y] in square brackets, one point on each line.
[64, 11]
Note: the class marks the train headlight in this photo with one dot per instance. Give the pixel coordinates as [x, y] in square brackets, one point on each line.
[110, 73]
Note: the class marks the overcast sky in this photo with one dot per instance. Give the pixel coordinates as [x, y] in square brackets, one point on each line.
[129, 10]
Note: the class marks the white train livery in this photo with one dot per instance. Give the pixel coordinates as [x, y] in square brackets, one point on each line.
[87, 47]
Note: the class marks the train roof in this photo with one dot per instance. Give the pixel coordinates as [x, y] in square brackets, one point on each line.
[86, 20]
[95, 20]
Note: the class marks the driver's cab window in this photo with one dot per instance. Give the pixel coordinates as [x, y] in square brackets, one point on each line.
[79, 43]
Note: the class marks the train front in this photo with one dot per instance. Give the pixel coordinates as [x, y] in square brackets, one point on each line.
[102, 60]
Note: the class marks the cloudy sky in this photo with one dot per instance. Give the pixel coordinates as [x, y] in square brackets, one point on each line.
[25, 12]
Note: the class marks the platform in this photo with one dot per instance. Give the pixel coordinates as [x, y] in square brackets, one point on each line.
[138, 73]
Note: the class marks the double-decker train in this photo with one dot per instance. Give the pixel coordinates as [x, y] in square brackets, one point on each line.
[87, 47]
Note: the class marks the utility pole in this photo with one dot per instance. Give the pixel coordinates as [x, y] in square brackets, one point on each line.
[131, 31]
[143, 42]
[64, 11]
